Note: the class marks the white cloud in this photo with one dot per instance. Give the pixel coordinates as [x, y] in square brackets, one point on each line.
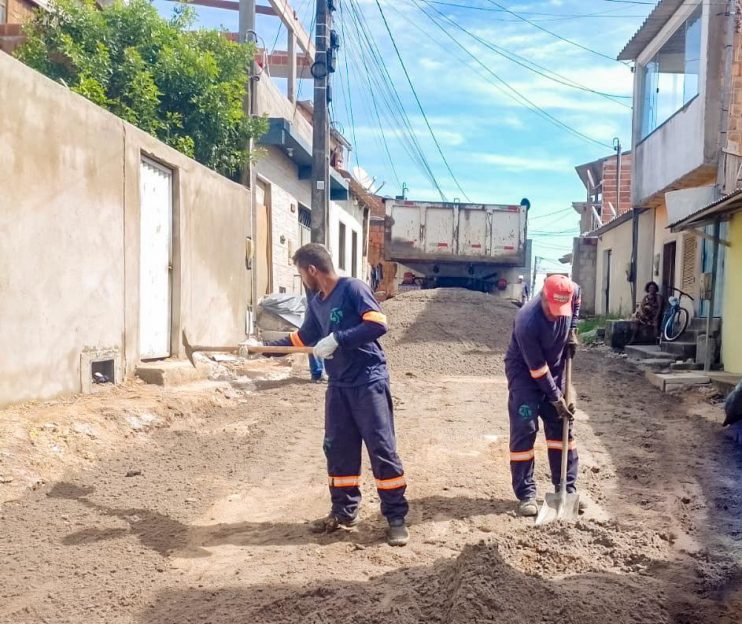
[524, 163]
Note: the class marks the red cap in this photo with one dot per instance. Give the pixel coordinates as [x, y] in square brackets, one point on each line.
[558, 291]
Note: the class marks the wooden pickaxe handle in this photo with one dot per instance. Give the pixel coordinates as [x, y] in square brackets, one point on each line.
[279, 350]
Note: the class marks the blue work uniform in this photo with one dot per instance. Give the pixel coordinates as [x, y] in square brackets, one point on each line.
[534, 366]
[358, 403]
[316, 365]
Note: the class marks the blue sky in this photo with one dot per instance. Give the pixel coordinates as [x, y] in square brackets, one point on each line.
[498, 149]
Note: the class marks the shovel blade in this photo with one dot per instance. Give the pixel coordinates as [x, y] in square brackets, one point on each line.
[554, 509]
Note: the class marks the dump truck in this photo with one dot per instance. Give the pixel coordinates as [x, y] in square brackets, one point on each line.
[443, 244]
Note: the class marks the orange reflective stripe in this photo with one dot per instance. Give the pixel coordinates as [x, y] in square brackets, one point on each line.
[521, 456]
[340, 482]
[375, 317]
[296, 340]
[537, 373]
[391, 484]
[556, 445]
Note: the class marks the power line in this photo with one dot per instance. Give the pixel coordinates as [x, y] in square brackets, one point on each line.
[419, 103]
[553, 34]
[557, 16]
[513, 57]
[390, 98]
[511, 91]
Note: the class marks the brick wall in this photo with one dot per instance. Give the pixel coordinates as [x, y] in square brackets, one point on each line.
[20, 11]
[610, 181]
[732, 151]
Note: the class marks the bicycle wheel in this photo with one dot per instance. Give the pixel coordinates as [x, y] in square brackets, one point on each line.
[676, 324]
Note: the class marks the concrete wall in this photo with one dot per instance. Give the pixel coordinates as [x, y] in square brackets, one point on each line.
[619, 241]
[69, 268]
[731, 336]
[584, 264]
[670, 152]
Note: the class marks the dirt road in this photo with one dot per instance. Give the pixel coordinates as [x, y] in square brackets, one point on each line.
[214, 529]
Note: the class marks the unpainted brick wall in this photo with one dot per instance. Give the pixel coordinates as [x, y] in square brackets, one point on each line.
[610, 181]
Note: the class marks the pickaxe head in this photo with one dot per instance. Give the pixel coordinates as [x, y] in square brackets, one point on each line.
[188, 349]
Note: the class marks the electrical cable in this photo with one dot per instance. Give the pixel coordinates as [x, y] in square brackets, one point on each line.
[419, 103]
[514, 93]
[553, 34]
[524, 62]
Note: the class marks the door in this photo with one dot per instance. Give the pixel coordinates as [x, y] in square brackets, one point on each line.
[607, 282]
[708, 263]
[263, 240]
[668, 269]
[474, 232]
[155, 260]
[439, 230]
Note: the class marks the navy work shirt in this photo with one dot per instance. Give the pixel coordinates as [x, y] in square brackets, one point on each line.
[352, 313]
[535, 358]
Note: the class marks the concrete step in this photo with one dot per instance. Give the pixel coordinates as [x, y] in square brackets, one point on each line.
[680, 349]
[699, 323]
[724, 382]
[668, 382]
[171, 372]
[644, 352]
[657, 365]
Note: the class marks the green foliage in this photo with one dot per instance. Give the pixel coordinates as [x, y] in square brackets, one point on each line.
[186, 87]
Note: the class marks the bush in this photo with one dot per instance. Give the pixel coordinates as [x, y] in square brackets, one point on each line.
[184, 87]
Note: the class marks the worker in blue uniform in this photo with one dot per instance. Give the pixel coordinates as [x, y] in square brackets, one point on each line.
[544, 335]
[344, 323]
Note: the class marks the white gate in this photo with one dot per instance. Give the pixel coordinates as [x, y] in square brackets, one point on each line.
[155, 258]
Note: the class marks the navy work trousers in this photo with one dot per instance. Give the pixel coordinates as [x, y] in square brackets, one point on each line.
[356, 416]
[525, 405]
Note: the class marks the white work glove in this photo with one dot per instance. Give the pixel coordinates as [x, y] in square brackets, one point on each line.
[326, 347]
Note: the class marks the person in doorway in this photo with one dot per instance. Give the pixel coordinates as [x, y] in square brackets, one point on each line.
[344, 322]
[543, 336]
[648, 312]
[525, 291]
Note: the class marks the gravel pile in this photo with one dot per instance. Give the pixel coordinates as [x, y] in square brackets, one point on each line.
[447, 331]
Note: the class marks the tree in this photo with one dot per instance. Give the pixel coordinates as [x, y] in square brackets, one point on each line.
[186, 87]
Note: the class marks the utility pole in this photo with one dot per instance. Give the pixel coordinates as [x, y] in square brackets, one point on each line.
[536, 261]
[321, 69]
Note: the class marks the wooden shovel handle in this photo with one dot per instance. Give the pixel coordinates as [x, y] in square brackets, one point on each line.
[279, 350]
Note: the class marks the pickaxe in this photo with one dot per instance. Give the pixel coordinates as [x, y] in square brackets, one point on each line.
[191, 349]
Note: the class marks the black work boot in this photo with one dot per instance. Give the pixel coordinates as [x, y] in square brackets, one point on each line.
[397, 534]
[331, 523]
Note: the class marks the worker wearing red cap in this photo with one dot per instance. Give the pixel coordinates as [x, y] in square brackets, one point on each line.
[543, 331]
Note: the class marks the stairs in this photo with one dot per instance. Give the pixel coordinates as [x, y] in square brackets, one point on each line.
[673, 355]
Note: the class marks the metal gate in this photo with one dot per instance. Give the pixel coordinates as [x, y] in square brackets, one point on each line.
[155, 260]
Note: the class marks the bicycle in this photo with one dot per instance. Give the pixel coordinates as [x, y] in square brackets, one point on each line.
[676, 318]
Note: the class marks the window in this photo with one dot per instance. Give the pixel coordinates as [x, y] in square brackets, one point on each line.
[354, 254]
[341, 247]
[3, 11]
[671, 77]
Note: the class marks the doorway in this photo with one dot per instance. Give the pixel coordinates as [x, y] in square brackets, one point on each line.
[668, 269]
[155, 260]
[263, 239]
[607, 281]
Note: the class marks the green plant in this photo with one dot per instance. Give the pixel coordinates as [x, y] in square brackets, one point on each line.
[186, 87]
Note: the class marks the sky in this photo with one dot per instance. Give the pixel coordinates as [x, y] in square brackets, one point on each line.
[480, 70]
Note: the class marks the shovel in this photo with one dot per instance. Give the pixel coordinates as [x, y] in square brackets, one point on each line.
[561, 505]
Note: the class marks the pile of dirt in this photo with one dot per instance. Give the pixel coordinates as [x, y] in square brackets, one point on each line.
[448, 331]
